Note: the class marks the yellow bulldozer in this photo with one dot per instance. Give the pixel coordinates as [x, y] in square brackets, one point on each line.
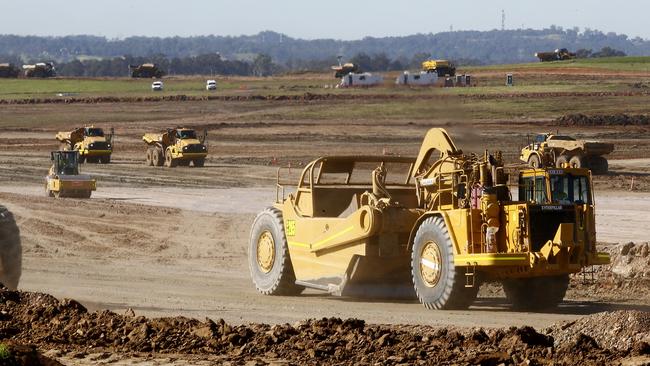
[435, 227]
[93, 145]
[176, 146]
[64, 179]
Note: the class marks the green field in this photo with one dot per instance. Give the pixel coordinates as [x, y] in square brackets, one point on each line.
[583, 75]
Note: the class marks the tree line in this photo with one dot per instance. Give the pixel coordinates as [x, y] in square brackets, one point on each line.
[484, 47]
[261, 65]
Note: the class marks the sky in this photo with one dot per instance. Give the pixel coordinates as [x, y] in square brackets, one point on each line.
[308, 19]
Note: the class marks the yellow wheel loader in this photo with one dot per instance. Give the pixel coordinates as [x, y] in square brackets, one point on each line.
[10, 250]
[64, 180]
[176, 146]
[92, 144]
[435, 227]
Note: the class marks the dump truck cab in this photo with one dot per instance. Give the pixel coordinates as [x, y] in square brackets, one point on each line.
[437, 225]
[64, 179]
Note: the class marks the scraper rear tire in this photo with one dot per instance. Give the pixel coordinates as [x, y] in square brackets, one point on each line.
[268, 256]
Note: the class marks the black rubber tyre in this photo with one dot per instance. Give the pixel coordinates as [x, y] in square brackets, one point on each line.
[577, 161]
[11, 252]
[533, 161]
[157, 157]
[169, 161]
[279, 278]
[148, 161]
[537, 293]
[105, 159]
[598, 165]
[199, 162]
[561, 160]
[447, 290]
[82, 159]
[183, 163]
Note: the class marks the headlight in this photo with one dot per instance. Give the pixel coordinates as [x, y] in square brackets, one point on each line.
[108, 146]
[91, 145]
[202, 147]
[184, 148]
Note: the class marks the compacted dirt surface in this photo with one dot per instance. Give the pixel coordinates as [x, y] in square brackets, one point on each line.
[156, 260]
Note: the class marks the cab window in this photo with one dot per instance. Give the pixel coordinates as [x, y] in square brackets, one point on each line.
[569, 189]
[532, 189]
[186, 134]
[94, 132]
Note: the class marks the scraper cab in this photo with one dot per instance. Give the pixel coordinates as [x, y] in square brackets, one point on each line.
[433, 227]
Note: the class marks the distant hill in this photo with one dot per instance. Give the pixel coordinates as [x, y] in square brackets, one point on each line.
[482, 47]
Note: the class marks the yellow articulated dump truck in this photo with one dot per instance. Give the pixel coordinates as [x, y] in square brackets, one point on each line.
[92, 144]
[64, 180]
[557, 150]
[440, 67]
[437, 225]
[176, 146]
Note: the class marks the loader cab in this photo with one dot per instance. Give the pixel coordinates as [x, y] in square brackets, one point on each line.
[65, 162]
[556, 186]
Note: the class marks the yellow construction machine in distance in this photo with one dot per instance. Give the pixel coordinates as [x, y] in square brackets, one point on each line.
[434, 227]
[93, 145]
[176, 146]
[64, 180]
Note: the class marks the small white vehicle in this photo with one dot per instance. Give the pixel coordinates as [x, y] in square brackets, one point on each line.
[211, 85]
[157, 86]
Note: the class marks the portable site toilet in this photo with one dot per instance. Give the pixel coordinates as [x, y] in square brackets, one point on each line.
[422, 78]
[364, 79]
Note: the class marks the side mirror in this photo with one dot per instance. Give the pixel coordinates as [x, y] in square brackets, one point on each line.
[204, 137]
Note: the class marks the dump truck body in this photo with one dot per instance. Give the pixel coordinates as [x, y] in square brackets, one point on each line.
[8, 71]
[146, 71]
[557, 55]
[64, 179]
[93, 145]
[39, 70]
[440, 67]
[550, 150]
[179, 146]
[342, 70]
[393, 226]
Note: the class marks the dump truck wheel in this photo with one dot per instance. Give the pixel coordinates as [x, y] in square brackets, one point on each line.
[183, 163]
[148, 161]
[268, 256]
[598, 165]
[105, 159]
[169, 161]
[82, 159]
[577, 161]
[533, 161]
[537, 293]
[157, 157]
[199, 162]
[561, 161]
[438, 283]
[11, 255]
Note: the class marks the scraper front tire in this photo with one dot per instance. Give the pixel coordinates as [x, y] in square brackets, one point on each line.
[268, 256]
[438, 283]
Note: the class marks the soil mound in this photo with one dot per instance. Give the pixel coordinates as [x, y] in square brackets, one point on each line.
[45, 322]
[603, 120]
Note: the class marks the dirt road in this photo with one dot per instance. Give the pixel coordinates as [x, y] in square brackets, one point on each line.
[173, 251]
